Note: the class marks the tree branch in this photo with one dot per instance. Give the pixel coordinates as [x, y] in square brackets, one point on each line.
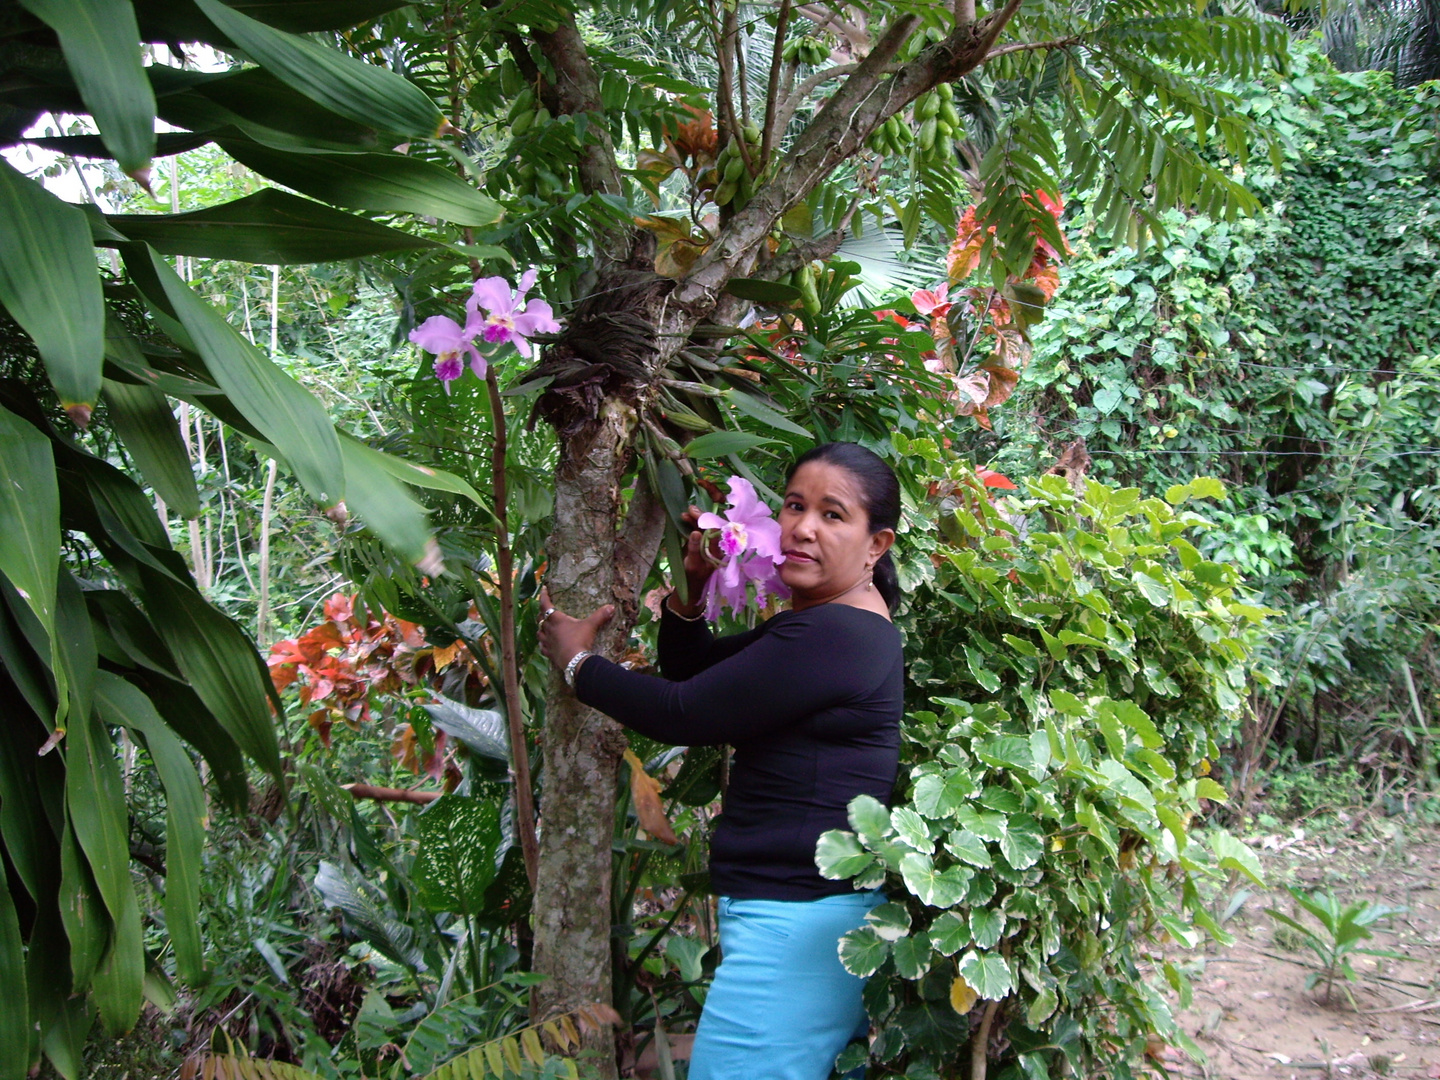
[794, 100]
[729, 31]
[772, 96]
[964, 13]
[390, 794]
[1032, 46]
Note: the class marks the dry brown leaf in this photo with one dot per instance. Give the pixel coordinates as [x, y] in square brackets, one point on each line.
[645, 790]
[444, 655]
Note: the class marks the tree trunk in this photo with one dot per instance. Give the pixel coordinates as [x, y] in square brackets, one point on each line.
[582, 747]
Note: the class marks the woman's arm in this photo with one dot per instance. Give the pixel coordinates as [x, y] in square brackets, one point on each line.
[685, 647]
[795, 668]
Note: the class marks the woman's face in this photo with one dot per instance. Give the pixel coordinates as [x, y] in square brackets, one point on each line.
[825, 534]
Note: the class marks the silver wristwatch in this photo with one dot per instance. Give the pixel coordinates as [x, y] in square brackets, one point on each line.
[574, 666]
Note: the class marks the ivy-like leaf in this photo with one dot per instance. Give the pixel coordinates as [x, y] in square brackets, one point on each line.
[988, 973]
[863, 951]
[839, 855]
[912, 955]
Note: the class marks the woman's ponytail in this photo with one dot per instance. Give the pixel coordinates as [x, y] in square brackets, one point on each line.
[887, 581]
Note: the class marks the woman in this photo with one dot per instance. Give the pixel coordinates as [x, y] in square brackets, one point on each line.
[811, 700]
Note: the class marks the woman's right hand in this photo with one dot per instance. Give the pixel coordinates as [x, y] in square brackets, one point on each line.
[698, 568]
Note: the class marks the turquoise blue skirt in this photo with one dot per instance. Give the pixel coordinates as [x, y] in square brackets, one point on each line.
[782, 1006]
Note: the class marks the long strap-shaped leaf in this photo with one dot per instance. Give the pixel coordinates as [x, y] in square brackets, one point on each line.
[15, 1016]
[49, 285]
[121, 703]
[30, 529]
[371, 182]
[383, 504]
[280, 407]
[96, 801]
[143, 420]
[101, 42]
[363, 92]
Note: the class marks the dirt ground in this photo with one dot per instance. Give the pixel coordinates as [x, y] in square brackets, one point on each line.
[1251, 1013]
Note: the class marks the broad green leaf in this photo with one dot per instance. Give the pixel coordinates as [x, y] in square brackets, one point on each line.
[949, 933]
[217, 660]
[15, 1017]
[988, 974]
[838, 855]
[1157, 592]
[386, 182]
[939, 795]
[890, 921]
[484, 731]
[122, 704]
[967, 847]
[459, 839]
[95, 799]
[1138, 721]
[911, 830]
[1205, 788]
[714, 444]
[369, 912]
[363, 92]
[69, 1031]
[384, 505]
[308, 16]
[1111, 730]
[1235, 855]
[49, 284]
[1066, 702]
[863, 951]
[1040, 1009]
[983, 675]
[1022, 845]
[987, 927]
[289, 415]
[143, 420]
[868, 817]
[912, 955]
[986, 826]
[268, 227]
[101, 43]
[937, 888]
[1202, 487]
[30, 528]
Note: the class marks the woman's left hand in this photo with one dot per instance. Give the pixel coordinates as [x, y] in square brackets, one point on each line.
[562, 636]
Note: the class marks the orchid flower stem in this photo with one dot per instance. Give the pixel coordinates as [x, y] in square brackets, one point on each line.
[509, 669]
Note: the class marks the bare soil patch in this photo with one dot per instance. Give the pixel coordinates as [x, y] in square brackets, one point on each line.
[1251, 1013]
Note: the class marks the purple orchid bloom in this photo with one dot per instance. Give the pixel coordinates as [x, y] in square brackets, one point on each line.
[508, 317]
[750, 552]
[447, 339]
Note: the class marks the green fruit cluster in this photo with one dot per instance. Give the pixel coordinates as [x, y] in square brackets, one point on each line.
[937, 124]
[811, 279]
[525, 113]
[735, 185]
[806, 50]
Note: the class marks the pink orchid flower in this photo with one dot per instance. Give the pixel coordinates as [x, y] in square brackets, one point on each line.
[508, 318]
[447, 339]
[749, 545]
[932, 301]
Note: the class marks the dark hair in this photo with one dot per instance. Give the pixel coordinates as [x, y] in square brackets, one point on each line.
[881, 493]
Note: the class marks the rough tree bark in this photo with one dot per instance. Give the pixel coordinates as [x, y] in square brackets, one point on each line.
[597, 411]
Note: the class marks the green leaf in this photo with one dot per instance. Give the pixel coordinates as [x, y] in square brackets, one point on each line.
[1205, 788]
[838, 855]
[1066, 702]
[384, 505]
[49, 284]
[421, 476]
[124, 705]
[1234, 855]
[911, 830]
[363, 92]
[1040, 1009]
[218, 661]
[988, 975]
[369, 913]
[1157, 592]
[101, 43]
[267, 227]
[912, 956]
[285, 412]
[484, 731]
[967, 847]
[30, 528]
[15, 1017]
[949, 933]
[939, 795]
[95, 799]
[987, 927]
[385, 182]
[459, 839]
[1022, 845]
[774, 293]
[756, 409]
[890, 921]
[143, 420]
[86, 923]
[934, 887]
[863, 951]
[869, 818]
[986, 826]
[714, 444]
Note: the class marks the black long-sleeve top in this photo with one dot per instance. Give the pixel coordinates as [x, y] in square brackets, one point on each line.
[811, 700]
